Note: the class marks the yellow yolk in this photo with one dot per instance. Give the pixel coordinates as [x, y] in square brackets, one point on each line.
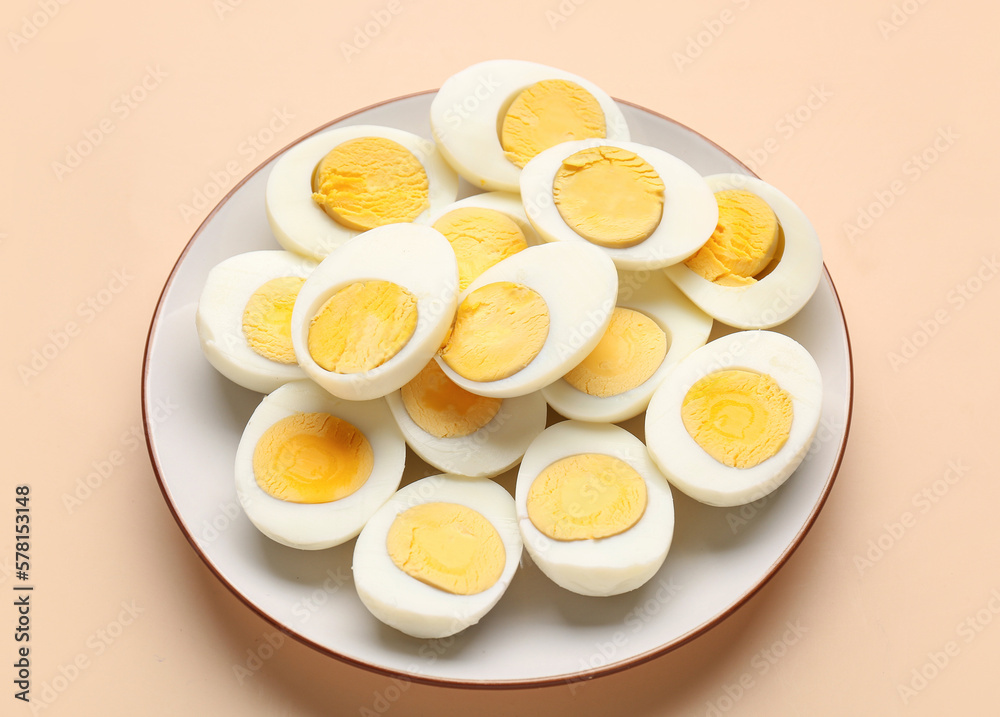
[362, 326]
[586, 496]
[267, 319]
[312, 458]
[444, 409]
[629, 353]
[740, 418]
[743, 243]
[609, 196]
[498, 330]
[546, 114]
[448, 546]
[370, 181]
[480, 239]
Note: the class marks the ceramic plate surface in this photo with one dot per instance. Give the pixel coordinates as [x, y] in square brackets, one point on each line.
[538, 633]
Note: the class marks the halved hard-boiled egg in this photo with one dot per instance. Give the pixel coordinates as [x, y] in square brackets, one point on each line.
[763, 261]
[734, 419]
[527, 320]
[652, 328]
[311, 468]
[336, 184]
[595, 513]
[491, 118]
[244, 317]
[643, 206]
[375, 311]
[459, 432]
[438, 555]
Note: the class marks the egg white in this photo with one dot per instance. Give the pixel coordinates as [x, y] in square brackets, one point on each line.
[467, 111]
[219, 318]
[690, 212]
[409, 605]
[686, 326]
[314, 526]
[776, 297]
[414, 256]
[602, 566]
[690, 468]
[301, 225]
[579, 285]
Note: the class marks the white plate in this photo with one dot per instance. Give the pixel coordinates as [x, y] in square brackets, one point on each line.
[538, 633]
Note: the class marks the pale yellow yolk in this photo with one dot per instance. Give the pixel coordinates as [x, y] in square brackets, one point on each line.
[362, 326]
[498, 330]
[443, 409]
[312, 458]
[370, 181]
[548, 113]
[629, 353]
[480, 239]
[743, 243]
[586, 496]
[447, 546]
[609, 196]
[267, 318]
[740, 418]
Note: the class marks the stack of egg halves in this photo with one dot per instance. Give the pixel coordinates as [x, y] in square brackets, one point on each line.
[584, 275]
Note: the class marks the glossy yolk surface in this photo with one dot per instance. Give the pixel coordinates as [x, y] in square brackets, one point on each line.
[610, 196]
[448, 546]
[312, 458]
[586, 496]
[499, 329]
[267, 318]
[629, 353]
[370, 181]
[546, 114]
[480, 238]
[362, 326]
[740, 418]
[444, 409]
[743, 243]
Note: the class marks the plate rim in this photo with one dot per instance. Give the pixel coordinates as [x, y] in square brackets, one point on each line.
[487, 684]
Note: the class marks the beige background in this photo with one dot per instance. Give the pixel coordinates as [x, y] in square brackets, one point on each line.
[85, 251]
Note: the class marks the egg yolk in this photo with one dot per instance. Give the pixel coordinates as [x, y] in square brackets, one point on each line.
[744, 241]
[480, 239]
[370, 181]
[444, 409]
[548, 113]
[609, 196]
[267, 318]
[448, 546]
[312, 458]
[362, 326]
[586, 496]
[629, 353]
[740, 418]
[499, 329]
